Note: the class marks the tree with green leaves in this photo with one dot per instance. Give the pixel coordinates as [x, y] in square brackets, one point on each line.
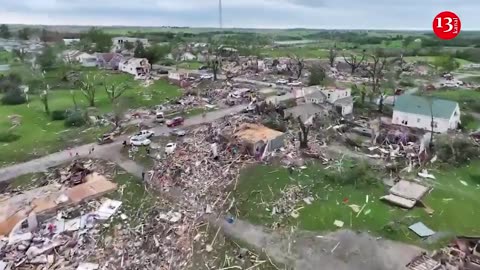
[139, 51]
[317, 76]
[446, 63]
[156, 53]
[362, 91]
[89, 89]
[24, 33]
[5, 31]
[47, 59]
[128, 45]
[103, 42]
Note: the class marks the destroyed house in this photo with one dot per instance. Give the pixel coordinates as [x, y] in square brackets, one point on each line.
[109, 60]
[135, 66]
[259, 139]
[416, 112]
[306, 112]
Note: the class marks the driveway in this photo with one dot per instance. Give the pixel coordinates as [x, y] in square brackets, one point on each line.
[108, 151]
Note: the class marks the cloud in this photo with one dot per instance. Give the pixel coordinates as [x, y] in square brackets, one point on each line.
[339, 14]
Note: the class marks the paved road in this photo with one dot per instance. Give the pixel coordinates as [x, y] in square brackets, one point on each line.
[108, 151]
[340, 250]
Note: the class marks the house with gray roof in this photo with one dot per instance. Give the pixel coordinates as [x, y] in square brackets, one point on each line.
[416, 111]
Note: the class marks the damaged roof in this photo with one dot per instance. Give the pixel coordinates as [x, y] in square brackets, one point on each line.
[254, 133]
[420, 105]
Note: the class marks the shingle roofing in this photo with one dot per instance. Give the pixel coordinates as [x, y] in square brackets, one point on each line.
[421, 105]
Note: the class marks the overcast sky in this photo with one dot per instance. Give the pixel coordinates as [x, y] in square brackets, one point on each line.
[338, 14]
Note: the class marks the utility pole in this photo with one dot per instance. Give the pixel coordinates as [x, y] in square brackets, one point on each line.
[220, 15]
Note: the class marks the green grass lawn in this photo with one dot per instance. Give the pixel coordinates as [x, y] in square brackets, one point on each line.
[5, 57]
[191, 65]
[452, 202]
[304, 52]
[40, 135]
[430, 59]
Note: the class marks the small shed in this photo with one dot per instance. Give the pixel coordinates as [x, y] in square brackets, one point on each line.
[259, 138]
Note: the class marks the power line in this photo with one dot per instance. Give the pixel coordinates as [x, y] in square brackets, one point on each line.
[220, 15]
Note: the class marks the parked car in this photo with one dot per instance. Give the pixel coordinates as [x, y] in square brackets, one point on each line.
[159, 117]
[177, 121]
[106, 138]
[139, 141]
[170, 148]
[206, 76]
[178, 132]
[147, 134]
[281, 92]
[282, 81]
[295, 83]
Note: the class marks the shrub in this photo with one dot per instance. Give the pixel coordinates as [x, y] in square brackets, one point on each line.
[14, 97]
[456, 150]
[59, 115]
[7, 137]
[406, 83]
[467, 120]
[75, 119]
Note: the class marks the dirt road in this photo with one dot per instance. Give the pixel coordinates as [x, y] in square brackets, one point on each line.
[108, 152]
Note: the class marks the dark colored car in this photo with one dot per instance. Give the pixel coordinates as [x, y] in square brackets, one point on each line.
[177, 121]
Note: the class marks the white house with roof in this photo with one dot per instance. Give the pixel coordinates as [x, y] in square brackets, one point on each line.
[416, 112]
[339, 97]
[135, 66]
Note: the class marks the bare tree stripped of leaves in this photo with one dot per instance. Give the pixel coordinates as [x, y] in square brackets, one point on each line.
[303, 134]
[332, 55]
[375, 71]
[114, 92]
[354, 61]
[89, 89]
[44, 99]
[296, 66]
[215, 64]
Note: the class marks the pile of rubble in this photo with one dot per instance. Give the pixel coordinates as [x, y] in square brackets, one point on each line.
[284, 207]
[462, 253]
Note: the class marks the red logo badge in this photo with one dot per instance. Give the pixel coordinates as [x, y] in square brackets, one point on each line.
[446, 25]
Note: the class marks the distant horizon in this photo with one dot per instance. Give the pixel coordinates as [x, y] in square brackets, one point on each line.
[229, 28]
[391, 15]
